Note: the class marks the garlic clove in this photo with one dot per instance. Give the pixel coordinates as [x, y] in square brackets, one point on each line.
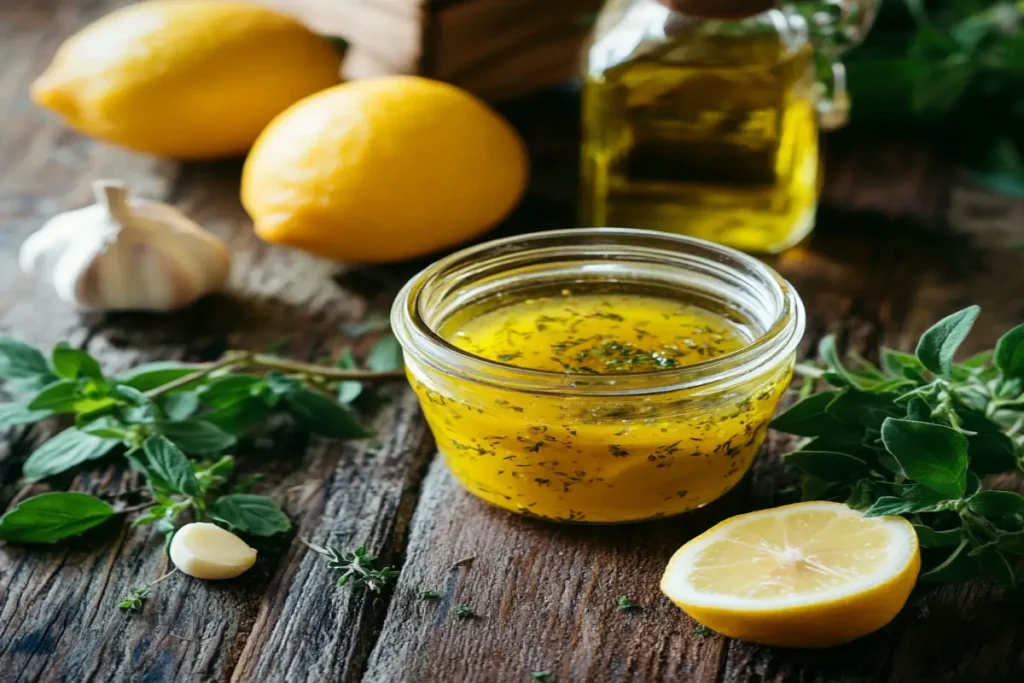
[126, 254]
[207, 551]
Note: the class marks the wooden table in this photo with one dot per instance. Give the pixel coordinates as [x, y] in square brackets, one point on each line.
[884, 263]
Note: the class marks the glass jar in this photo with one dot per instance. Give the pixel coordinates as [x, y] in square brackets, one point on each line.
[599, 448]
[701, 117]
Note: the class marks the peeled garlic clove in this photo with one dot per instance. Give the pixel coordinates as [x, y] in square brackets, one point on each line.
[125, 254]
[207, 551]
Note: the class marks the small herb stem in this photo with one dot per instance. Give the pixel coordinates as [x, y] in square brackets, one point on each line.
[321, 371]
[165, 576]
[228, 360]
[136, 508]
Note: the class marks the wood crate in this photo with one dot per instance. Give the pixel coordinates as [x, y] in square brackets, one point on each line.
[497, 49]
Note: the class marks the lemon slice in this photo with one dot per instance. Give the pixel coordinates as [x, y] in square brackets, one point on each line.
[804, 575]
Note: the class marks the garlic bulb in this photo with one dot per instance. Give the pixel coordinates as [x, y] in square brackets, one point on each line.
[126, 254]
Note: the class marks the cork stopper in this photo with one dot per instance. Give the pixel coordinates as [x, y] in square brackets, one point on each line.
[720, 9]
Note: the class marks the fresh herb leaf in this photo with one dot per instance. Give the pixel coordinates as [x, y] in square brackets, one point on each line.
[73, 364]
[930, 454]
[625, 604]
[229, 390]
[196, 437]
[807, 417]
[827, 465]
[251, 514]
[51, 517]
[464, 612]
[545, 676]
[60, 397]
[154, 375]
[180, 406]
[1009, 357]
[14, 414]
[349, 390]
[358, 567]
[997, 504]
[386, 355]
[892, 505]
[68, 449]
[430, 595]
[932, 538]
[940, 342]
[167, 468]
[321, 415]
[19, 361]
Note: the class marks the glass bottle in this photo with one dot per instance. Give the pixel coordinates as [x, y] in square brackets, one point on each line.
[701, 117]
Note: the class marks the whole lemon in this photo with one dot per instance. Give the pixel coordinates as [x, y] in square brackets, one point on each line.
[382, 170]
[189, 79]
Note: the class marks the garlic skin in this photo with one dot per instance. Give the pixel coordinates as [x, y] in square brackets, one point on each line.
[126, 254]
[206, 551]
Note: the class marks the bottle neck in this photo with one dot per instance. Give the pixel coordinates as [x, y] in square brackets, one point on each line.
[720, 9]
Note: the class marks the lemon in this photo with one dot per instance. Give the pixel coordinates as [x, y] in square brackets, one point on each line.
[805, 575]
[188, 79]
[382, 170]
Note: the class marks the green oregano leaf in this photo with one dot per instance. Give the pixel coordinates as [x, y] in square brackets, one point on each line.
[321, 415]
[939, 344]
[348, 390]
[180, 406]
[59, 397]
[1009, 356]
[152, 375]
[72, 364]
[196, 437]
[931, 538]
[807, 417]
[891, 505]
[930, 454]
[54, 516]
[167, 468]
[19, 361]
[68, 449]
[827, 465]
[251, 514]
[997, 504]
[386, 355]
[14, 414]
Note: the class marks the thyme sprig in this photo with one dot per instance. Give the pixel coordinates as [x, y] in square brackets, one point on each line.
[356, 566]
[915, 437]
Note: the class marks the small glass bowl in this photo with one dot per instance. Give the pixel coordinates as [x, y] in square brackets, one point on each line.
[616, 447]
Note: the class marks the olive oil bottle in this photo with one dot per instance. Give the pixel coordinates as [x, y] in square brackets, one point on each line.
[700, 117]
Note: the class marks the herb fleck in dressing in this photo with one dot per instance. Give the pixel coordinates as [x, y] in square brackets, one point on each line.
[599, 458]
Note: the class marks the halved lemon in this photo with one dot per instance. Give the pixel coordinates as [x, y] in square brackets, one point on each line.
[804, 575]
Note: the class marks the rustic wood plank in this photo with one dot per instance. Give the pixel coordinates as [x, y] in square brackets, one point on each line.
[285, 619]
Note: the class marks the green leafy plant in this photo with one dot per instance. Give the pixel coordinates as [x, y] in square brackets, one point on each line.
[625, 604]
[915, 437]
[358, 567]
[175, 424]
[956, 67]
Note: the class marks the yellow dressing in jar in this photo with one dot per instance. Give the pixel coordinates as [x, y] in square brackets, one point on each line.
[585, 393]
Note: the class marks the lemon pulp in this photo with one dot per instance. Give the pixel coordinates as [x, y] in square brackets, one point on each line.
[805, 575]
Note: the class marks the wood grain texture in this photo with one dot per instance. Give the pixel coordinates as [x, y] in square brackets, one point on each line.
[285, 619]
[881, 267]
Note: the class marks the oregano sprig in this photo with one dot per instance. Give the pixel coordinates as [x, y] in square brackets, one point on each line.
[357, 567]
[176, 424]
[915, 437]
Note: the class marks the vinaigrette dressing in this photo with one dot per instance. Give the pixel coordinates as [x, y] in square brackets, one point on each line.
[590, 459]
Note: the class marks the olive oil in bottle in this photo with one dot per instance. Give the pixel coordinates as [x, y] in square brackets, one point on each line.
[699, 117]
